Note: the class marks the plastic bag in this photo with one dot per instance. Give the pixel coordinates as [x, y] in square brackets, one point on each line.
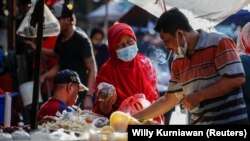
[51, 26]
[134, 104]
[105, 90]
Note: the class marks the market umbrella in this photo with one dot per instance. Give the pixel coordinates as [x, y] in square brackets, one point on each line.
[201, 13]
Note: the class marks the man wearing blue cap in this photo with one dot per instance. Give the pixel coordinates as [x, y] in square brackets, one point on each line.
[67, 86]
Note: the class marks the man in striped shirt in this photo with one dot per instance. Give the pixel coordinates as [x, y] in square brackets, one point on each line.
[206, 75]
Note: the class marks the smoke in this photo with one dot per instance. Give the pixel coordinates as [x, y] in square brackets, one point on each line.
[161, 66]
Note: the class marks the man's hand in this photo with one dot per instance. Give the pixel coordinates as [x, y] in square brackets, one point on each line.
[88, 103]
[32, 44]
[190, 101]
[42, 78]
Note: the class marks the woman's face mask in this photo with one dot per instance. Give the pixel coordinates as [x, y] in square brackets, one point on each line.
[128, 53]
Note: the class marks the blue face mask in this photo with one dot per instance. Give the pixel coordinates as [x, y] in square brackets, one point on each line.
[128, 53]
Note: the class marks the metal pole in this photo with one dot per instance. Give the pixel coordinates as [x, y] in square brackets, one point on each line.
[11, 25]
[39, 10]
[106, 17]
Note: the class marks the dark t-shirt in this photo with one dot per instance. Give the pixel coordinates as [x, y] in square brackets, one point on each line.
[73, 52]
[102, 55]
[50, 108]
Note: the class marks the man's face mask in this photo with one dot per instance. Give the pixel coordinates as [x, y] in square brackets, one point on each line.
[181, 50]
[97, 46]
[128, 53]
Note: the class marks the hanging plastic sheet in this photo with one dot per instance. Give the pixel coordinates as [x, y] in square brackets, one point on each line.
[201, 13]
[51, 26]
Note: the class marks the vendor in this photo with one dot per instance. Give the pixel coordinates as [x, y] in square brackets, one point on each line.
[67, 86]
[206, 74]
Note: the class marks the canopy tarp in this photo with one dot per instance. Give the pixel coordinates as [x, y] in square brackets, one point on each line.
[201, 13]
[116, 9]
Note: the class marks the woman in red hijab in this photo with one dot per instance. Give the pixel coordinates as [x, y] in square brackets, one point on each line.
[128, 71]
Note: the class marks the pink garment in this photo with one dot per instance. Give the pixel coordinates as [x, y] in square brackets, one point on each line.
[243, 42]
[134, 104]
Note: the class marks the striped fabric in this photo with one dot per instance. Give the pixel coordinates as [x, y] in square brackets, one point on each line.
[215, 57]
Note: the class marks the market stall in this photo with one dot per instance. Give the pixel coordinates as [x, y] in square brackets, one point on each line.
[79, 125]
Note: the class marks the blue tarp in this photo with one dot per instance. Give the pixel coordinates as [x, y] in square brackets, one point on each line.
[239, 18]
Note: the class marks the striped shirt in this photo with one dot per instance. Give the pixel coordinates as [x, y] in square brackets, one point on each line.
[214, 57]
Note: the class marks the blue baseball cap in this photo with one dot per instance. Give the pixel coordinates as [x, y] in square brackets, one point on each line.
[69, 76]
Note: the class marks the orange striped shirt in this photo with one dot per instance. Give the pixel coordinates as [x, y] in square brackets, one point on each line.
[214, 57]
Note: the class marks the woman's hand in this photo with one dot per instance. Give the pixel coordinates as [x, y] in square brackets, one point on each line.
[111, 98]
[107, 103]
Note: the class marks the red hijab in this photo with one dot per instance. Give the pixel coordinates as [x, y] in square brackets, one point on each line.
[129, 78]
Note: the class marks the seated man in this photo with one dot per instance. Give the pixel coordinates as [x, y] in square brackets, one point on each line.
[67, 85]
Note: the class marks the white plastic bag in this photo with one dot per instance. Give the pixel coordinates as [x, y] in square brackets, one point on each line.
[179, 116]
[51, 26]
